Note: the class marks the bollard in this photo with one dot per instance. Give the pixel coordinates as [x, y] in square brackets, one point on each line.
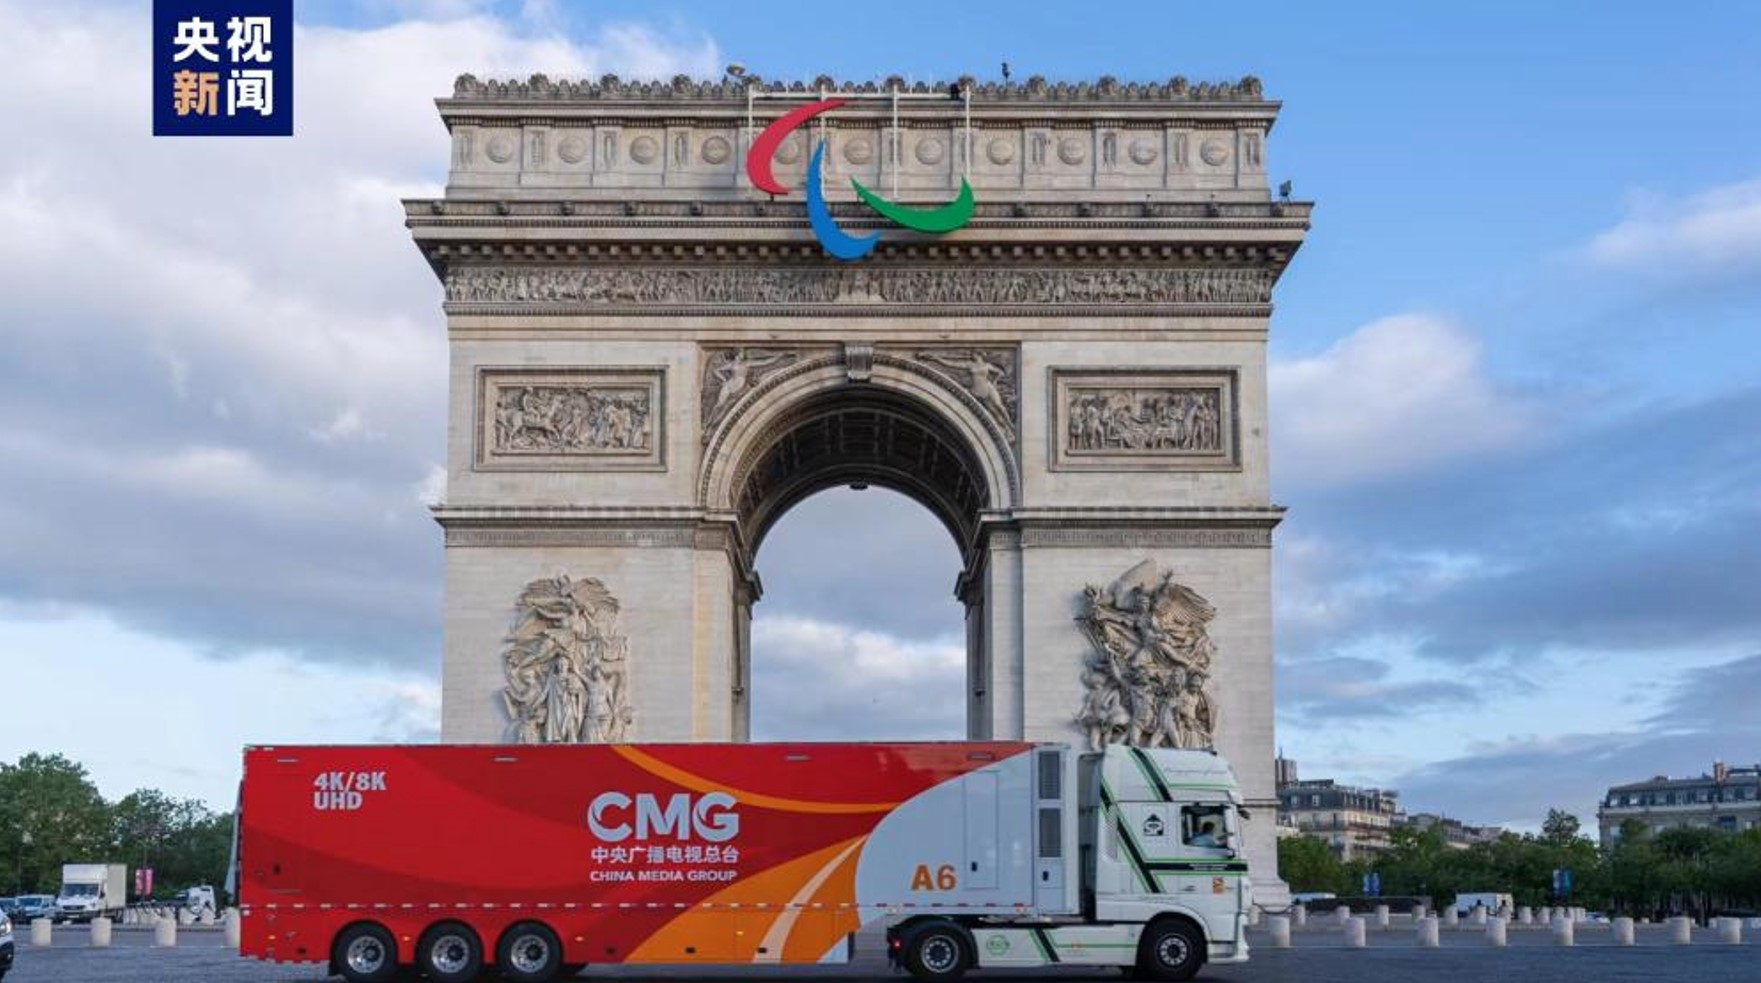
[1681, 931]
[1564, 931]
[1496, 934]
[207, 917]
[1623, 931]
[232, 928]
[1299, 916]
[1419, 913]
[1479, 915]
[165, 933]
[1524, 916]
[1381, 918]
[1342, 913]
[100, 933]
[184, 917]
[1280, 927]
[1429, 937]
[41, 932]
[1355, 933]
[1730, 931]
[1451, 917]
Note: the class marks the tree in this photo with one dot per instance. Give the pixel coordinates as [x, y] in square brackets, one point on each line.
[52, 799]
[1308, 864]
[1560, 828]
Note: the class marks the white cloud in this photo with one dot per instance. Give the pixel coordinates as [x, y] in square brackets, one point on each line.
[817, 680]
[1397, 395]
[1718, 230]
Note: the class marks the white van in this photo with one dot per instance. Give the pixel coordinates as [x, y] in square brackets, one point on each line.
[1490, 900]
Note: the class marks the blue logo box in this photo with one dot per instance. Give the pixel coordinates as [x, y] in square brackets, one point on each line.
[223, 68]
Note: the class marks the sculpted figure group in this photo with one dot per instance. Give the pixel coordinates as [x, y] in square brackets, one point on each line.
[566, 666]
[1146, 681]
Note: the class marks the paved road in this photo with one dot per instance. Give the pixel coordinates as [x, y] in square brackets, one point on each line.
[1318, 957]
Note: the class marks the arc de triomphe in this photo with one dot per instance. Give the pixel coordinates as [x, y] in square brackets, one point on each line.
[653, 360]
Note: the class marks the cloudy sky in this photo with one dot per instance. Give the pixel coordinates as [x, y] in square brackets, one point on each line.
[1516, 380]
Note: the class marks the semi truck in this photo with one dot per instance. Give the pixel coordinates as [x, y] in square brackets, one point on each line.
[532, 861]
[90, 891]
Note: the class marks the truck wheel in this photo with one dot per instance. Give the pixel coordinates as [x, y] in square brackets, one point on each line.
[450, 953]
[529, 953]
[365, 954]
[936, 951]
[1169, 950]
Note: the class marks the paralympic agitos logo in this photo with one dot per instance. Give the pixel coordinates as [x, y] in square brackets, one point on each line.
[838, 243]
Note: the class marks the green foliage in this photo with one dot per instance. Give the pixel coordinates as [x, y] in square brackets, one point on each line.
[53, 801]
[1307, 864]
[1691, 870]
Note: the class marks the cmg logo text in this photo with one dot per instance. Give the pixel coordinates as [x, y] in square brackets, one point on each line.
[615, 817]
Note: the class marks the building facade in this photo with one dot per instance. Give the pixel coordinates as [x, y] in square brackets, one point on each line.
[1354, 822]
[1726, 798]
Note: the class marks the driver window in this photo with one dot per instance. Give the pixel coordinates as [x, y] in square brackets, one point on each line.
[1204, 826]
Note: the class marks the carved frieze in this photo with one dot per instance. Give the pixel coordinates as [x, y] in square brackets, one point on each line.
[1143, 419]
[566, 666]
[987, 374]
[641, 288]
[730, 373]
[564, 419]
[1146, 679]
[1035, 89]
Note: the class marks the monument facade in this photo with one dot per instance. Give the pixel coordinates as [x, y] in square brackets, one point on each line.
[653, 360]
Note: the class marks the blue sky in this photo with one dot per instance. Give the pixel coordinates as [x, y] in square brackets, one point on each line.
[1515, 380]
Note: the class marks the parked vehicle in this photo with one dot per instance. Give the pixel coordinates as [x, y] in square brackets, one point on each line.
[89, 891]
[196, 900]
[1490, 900]
[34, 906]
[532, 861]
[6, 947]
[6, 904]
[1308, 897]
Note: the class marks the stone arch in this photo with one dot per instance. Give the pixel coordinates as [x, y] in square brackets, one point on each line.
[966, 464]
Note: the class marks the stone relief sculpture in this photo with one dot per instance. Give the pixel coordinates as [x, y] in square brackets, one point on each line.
[987, 374]
[718, 286]
[1144, 419]
[572, 419]
[730, 374]
[1036, 88]
[1146, 681]
[566, 666]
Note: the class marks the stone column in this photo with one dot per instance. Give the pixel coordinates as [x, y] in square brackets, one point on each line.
[1428, 934]
[1280, 928]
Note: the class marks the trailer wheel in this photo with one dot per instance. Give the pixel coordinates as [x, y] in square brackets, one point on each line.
[529, 953]
[365, 953]
[1169, 950]
[450, 953]
[936, 951]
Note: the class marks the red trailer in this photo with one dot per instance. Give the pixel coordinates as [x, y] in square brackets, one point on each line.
[535, 860]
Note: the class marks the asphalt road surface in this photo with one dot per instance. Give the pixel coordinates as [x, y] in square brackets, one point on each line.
[1318, 956]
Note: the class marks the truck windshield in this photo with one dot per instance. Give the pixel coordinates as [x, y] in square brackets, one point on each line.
[79, 890]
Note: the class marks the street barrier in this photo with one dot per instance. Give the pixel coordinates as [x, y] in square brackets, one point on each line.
[1564, 930]
[42, 932]
[165, 933]
[1355, 933]
[1681, 931]
[1730, 931]
[1280, 927]
[1382, 918]
[100, 933]
[1428, 934]
[232, 928]
[1299, 915]
[1496, 933]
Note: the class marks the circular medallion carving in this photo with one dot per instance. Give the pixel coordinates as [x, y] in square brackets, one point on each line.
[500, 149]
[1142, 151]
[931, 151]
[643, 150]
[790, 151]
[716, 150]
[572, 149]
[1213, 152]
[859, 150]
[1072, 150]
[1000, 150]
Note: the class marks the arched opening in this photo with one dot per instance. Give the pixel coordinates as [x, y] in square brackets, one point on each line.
[859, 635]
[900, 431]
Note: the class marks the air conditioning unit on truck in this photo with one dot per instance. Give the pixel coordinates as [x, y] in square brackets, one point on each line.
[529, 862]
